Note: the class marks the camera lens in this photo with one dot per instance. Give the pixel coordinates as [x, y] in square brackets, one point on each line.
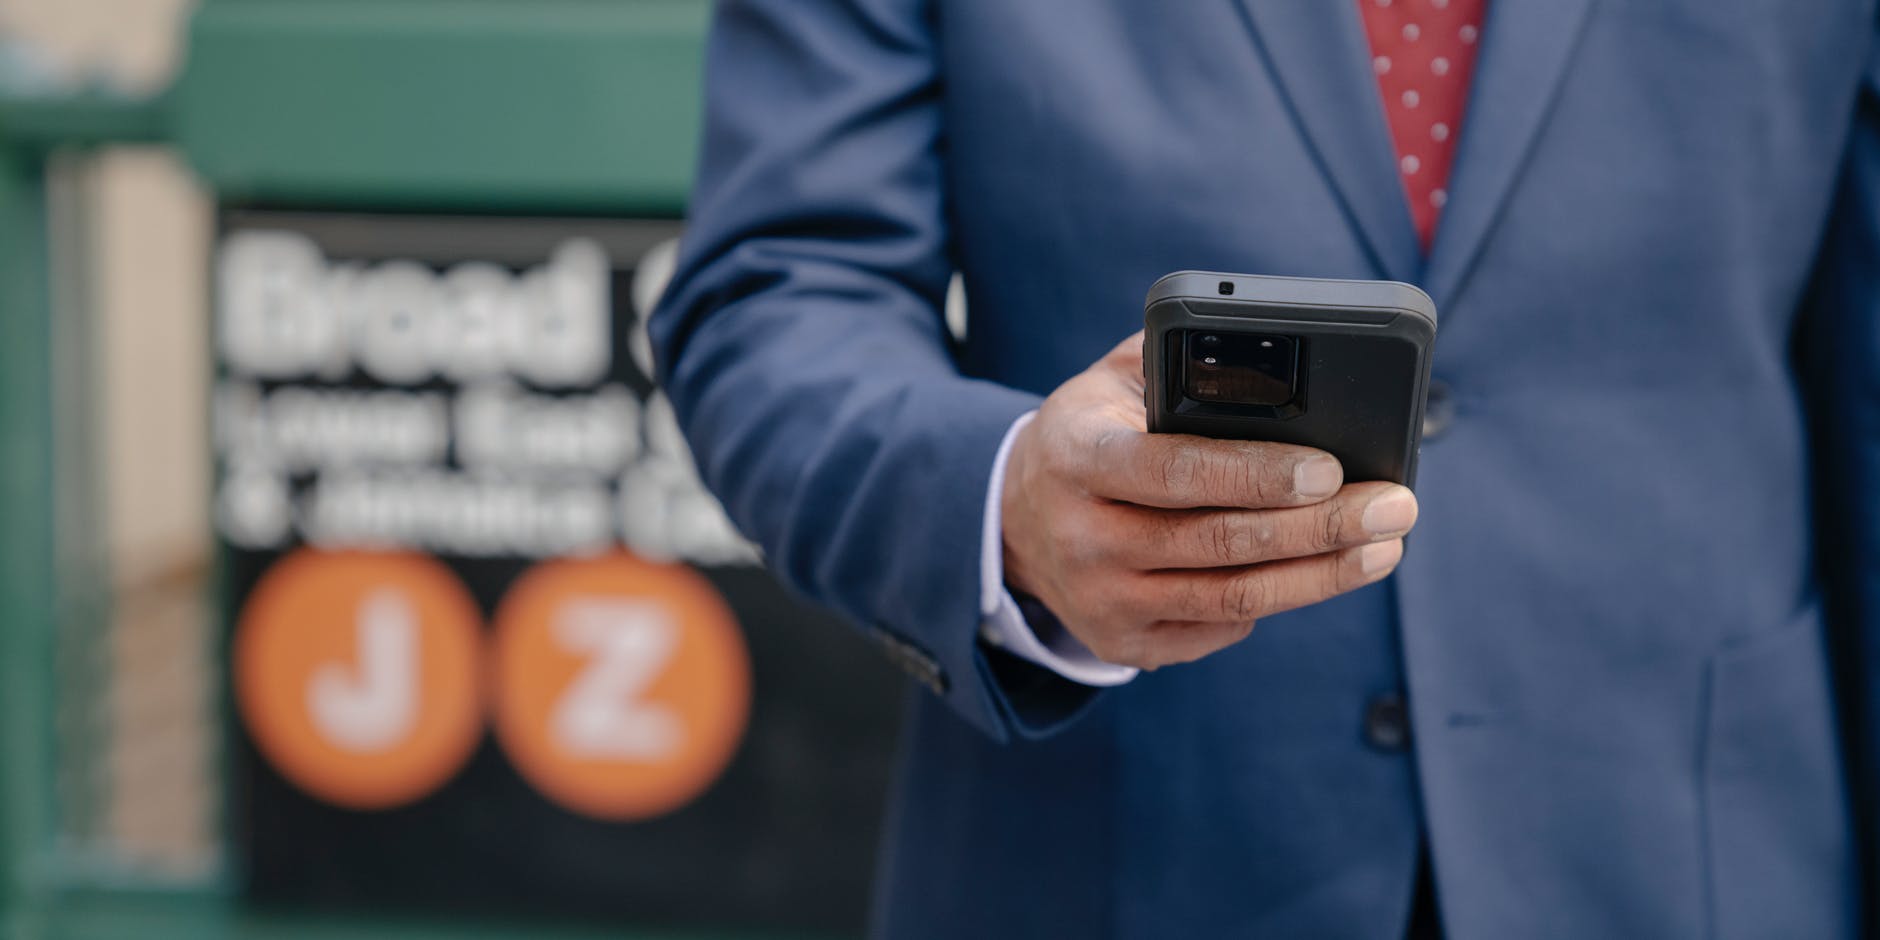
[1259, 369]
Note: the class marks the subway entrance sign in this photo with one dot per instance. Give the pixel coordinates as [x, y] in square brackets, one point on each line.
[491, 646]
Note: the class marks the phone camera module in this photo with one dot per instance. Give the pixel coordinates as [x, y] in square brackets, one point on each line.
[1241, 368]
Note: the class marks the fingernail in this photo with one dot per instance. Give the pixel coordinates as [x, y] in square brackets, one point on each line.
[1380, 556]
[1317, 477]
[1395, 511]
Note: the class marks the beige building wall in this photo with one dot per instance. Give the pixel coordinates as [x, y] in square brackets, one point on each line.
[146, 227]
[134, 43]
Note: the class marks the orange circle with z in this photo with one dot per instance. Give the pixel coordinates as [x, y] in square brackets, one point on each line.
[357, 675]
[623, 687]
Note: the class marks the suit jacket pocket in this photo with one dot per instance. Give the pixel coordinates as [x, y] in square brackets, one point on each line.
[1779, 836]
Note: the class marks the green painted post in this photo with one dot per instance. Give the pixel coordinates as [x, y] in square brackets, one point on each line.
[537, 106]
[27, 579]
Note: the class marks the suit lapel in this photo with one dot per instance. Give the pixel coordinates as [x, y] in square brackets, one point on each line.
[1526, 45]
[1322, 65]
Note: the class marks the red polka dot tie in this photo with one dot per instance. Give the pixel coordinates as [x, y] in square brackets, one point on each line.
[1423, 52]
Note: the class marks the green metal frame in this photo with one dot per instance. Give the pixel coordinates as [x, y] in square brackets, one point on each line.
[27, 598]
[524, 106]
[446, 104]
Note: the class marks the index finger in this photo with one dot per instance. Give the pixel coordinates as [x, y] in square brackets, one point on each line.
[1182, 471]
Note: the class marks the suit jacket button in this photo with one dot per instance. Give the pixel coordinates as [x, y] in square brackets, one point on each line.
[1439, 410]
[1387, 723]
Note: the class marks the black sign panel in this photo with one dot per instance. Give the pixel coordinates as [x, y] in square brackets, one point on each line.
[492, 645]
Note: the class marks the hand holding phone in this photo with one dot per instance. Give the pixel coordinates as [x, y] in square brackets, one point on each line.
[1154, 549]
[1343, 366]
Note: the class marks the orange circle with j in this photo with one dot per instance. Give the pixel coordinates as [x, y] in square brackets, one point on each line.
[357, 675]
[622, 686]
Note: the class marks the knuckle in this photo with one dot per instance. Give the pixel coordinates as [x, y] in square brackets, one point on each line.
[1265, 536]
[1245, 597]
[1228, 541]
[1331, 528]
[1227, 482]
[1174, 469]
[1097, 456]
[1245, 538]
[1094, 437]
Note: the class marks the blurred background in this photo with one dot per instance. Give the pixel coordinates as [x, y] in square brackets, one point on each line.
[354, 579]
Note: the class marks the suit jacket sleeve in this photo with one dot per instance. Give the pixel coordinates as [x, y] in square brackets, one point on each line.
[804, 352]
[1839, 360]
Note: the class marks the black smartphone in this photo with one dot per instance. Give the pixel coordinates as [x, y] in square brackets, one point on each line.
[1343, 366]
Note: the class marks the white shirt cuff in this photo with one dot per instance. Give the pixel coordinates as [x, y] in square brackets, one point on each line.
[1005, 625]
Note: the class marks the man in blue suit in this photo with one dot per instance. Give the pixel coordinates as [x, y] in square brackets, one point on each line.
[1595, 700]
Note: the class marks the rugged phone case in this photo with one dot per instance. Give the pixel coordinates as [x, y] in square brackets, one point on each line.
[1363, 364]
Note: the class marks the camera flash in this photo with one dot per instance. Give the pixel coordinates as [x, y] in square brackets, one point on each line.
[1266, 343]
[1209, 360]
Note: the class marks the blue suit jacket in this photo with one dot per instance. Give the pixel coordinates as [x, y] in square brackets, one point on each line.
[1609, 626]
